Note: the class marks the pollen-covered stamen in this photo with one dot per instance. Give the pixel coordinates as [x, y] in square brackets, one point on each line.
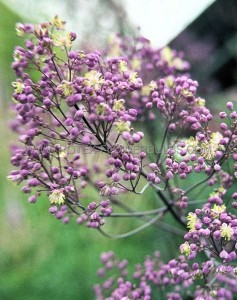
[57, 197]
[226, 231]
[218, 209]
[94, 79]
[58, 22]
[18, 86]
[191, 221]
[185, 249]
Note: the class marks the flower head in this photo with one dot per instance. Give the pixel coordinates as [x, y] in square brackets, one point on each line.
[212, 146]
[122, 66]
[20, 29]
[66, 88]
[58, 22]
[226, 231]
[218, 209]
[119, 105]
[191, 221]
[122, 126]
[62, 40]
[18, 87]
[57, 197]
[168, 56]
[200, 102]
[101, 108]
[185, 249]
[94, 79]
[133, 77]
[153, 85]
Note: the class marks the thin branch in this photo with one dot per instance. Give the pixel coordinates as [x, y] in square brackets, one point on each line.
[137, 214]
[132, 232]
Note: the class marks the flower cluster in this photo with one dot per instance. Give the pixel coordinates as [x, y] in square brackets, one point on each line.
[151, 64]
[175, 280]
[212, 229]
[85, 123]
[83, 100]
[77, 100]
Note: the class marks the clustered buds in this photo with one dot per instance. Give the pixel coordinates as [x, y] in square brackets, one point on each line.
[176, 280]
[87, 121]
[212, 229]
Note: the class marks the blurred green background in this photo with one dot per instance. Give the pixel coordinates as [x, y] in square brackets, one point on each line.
[41, 258]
